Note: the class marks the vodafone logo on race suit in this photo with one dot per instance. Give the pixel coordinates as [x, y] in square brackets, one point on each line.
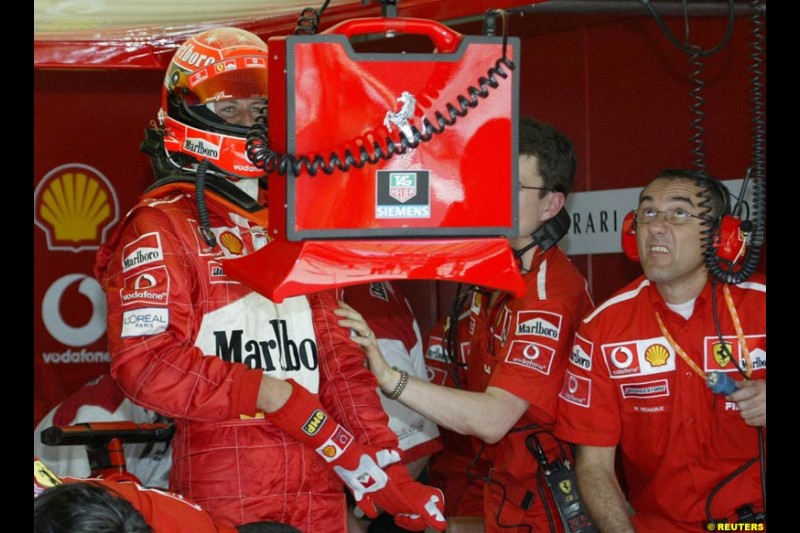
[144, 250]
[576, 390]
[74, 335]
[531, 355]
[150, 286]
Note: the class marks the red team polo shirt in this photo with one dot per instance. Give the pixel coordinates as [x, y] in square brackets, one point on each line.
[522, 345]
[626, 385]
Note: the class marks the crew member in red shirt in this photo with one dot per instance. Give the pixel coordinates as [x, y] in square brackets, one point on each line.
[519, 346]
[637, 377]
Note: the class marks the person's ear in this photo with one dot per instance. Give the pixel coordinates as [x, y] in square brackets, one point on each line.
[555, 202]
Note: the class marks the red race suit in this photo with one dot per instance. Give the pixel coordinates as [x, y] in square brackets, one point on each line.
[626, 386]
[192, 343]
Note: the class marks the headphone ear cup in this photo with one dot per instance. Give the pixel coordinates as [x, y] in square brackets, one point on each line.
[629, 246]
[729, 239]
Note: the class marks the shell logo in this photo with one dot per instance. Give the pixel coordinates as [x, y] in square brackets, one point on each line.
[76, 206]
[231, 242]
[656, 355]
[329, 451]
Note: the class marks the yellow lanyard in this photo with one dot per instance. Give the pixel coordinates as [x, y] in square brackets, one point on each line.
[737, 324]
[681, 352]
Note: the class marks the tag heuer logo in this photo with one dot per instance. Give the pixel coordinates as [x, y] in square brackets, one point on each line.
[722, 356]
[402, 186]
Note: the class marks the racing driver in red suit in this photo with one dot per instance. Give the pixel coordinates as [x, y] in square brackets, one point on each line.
[272, 403]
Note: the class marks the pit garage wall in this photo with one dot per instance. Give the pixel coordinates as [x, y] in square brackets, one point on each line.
[615, 86]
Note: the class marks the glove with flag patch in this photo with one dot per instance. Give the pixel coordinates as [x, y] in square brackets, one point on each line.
[427, 501]
[360, 467]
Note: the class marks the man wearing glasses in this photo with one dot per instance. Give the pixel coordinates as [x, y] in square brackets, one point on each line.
[518, 348]
[637, 377]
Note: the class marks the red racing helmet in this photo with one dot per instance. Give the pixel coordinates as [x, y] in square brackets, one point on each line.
[210, 75]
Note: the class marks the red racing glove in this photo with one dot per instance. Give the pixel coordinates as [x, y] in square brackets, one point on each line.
[414, 505]
[427, 501]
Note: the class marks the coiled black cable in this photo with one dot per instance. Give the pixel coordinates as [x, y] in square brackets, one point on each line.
[721, 270]
[696, 55]
[200, 202]
[734, 274]
[757, 92]
[697, 137]
[309, 19]
[259, 153]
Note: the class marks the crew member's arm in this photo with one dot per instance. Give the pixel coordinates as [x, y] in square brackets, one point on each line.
[597, 481]
[751, 399]
[488, 415]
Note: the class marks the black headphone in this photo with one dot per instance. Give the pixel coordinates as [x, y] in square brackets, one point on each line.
[548, 234]
[729, 239]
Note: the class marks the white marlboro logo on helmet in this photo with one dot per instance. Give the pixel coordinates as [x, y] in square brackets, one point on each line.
[202, 147]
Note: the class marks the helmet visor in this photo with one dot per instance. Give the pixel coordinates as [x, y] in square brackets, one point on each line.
[239, 111]
[237, 78]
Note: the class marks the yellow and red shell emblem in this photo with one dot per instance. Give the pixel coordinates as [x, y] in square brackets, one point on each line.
[75, 205]
[656, 355]
[231, 242]
[329, 451]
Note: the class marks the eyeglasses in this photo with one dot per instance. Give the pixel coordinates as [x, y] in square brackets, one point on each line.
[537, 188]
[676, 217]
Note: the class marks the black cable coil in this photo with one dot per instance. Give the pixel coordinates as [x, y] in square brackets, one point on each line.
[268, 160]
